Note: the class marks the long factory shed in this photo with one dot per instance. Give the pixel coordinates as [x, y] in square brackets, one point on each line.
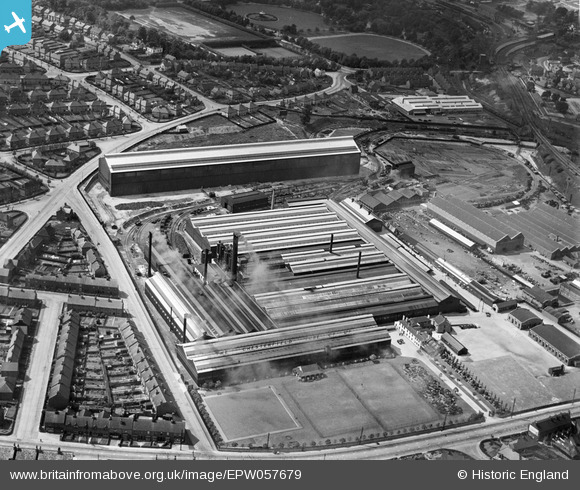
[321, 340]
[191, 168]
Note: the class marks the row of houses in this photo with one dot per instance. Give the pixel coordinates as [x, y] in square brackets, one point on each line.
[152, 383]
[106, 425]
[57, 100]
[29, 76]
[145, 96]
[59, 133]
[48, 20]
[13, 333]
[59, 388]
[88, 250]
[18, 296]
[65, 57]
[73, 284]
[19, 187]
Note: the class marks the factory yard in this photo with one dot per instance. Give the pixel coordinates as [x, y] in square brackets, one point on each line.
[464, 171]
[187, 24]
[512, 365]
[372, 46]
[415, 222]
[372, 398]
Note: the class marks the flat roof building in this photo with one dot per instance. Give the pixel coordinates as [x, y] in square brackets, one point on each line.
[191, 168]
[424, 104]
[245, 201]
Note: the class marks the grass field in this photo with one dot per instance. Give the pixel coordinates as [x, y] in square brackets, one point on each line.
[305, 21]
[371, 46]
[263, 412]
[330, 406]
[374, 398]
[508, 379]
[387, 396]
[186, 24]
[512, 366]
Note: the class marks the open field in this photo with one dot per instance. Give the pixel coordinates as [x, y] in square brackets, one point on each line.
[372, 398]
[305, 21]
[263, 413]
[236, 51]
[512, 365]
[465, 171]
[505, 377]
[371, 46]
[387, 396]
[186, 24]
[217, 130]
[277, 52]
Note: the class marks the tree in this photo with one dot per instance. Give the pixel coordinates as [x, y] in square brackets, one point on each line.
[562, 106]
[306, 114]
[142, 33]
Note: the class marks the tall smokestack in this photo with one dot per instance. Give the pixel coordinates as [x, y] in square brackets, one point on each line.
[206, 261]
[272, 205]
[150, 247]
[331, 241]
[185, 328]
[235, 246]
[358, 265]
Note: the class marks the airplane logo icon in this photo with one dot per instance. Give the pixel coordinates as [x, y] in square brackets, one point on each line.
[17, 23]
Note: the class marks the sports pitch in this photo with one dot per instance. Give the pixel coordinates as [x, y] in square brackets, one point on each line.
[186, 24]
[368, 398]
[250, 413]
[372, 46]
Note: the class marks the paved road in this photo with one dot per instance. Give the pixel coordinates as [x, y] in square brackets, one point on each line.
[28, 418]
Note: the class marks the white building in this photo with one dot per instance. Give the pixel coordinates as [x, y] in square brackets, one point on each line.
[424, 104]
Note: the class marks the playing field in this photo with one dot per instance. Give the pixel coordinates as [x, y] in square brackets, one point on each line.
[371, 46]
[305, 21]
[330, 406]
[509, 380]
[186, 24]
[250, 413]
[372, 398]
[386, 394]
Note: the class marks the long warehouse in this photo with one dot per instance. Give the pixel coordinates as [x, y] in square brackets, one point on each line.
[191, 168]
[476, 224]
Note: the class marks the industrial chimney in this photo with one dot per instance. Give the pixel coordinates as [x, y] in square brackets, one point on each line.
[235, 246]
[206, 261]
[150, 249]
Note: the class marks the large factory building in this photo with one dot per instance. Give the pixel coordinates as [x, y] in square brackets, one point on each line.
[308, 284]
[191, 168]
[476, 225]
